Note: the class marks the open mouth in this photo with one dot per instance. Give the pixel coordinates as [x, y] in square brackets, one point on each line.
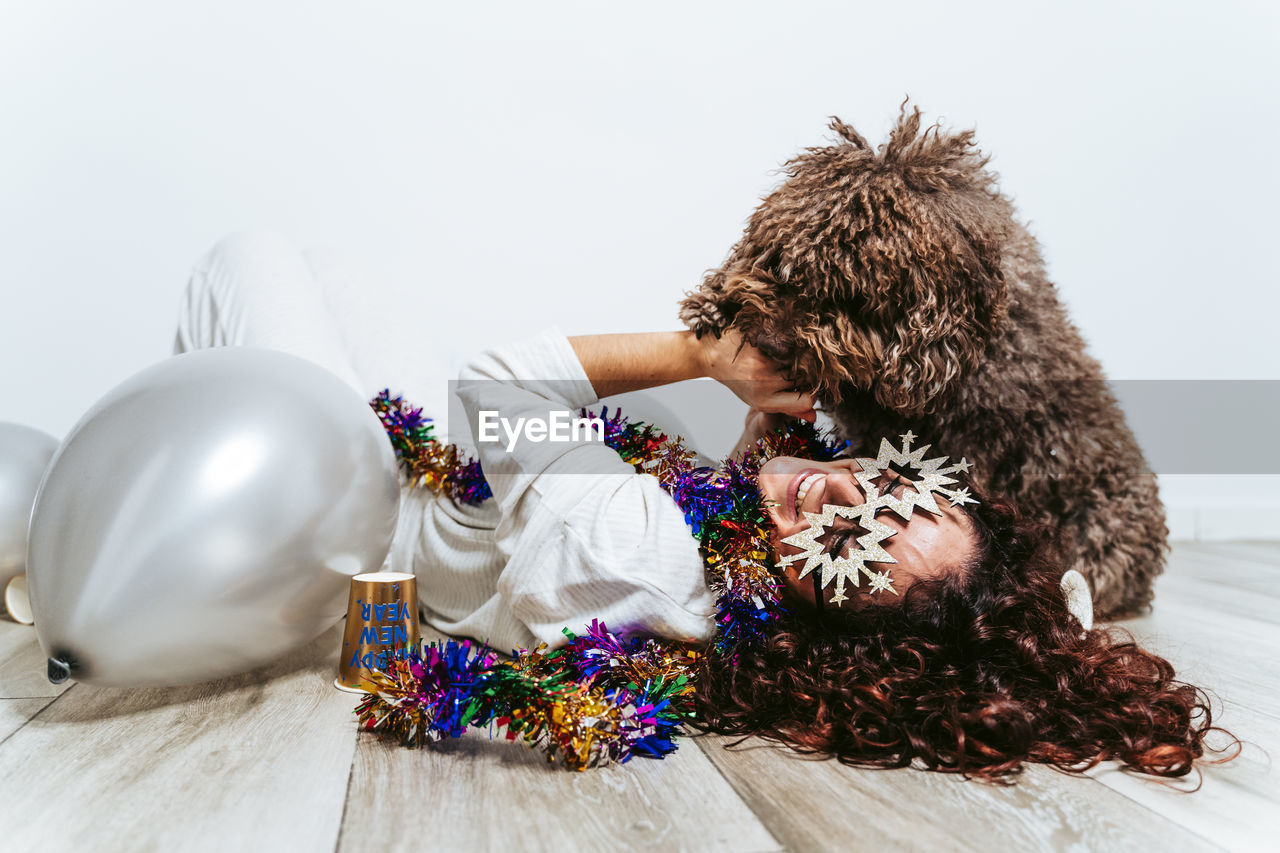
[800, 487]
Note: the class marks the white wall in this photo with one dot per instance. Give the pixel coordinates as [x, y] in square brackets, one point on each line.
[583, 163]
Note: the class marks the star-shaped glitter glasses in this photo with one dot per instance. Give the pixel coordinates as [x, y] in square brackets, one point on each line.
[928, 478]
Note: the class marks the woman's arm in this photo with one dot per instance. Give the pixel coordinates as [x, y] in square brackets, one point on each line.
[619, 363]
[582, 535]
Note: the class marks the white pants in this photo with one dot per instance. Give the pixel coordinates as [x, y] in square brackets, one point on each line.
[257, 289]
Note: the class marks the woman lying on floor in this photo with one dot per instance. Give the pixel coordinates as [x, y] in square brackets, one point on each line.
[917, 621]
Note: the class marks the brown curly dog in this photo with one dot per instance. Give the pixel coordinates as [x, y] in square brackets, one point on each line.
[899, 286]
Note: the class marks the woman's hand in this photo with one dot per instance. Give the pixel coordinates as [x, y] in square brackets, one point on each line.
[756, 380]
[758, 425]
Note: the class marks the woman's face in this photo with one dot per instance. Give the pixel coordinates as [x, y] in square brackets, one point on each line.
[927, 546]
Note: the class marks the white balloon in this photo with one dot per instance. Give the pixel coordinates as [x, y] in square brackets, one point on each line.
[205, 517]
[24, 456]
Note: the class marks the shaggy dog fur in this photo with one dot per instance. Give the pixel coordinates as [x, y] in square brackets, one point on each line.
[898, 284]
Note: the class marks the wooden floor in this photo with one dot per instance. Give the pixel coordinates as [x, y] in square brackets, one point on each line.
[272, 760]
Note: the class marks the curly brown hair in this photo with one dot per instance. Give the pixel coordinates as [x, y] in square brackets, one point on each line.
[974, 673]
[880, 270]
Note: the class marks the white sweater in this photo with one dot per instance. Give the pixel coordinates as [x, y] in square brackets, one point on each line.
[571, 533]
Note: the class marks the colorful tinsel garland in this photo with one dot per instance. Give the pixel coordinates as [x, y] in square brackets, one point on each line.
[600, 698]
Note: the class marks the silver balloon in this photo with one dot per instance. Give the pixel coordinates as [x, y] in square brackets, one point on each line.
[206, 516]
[24, 455]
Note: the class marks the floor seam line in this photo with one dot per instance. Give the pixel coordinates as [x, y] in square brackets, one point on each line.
[1208, 841]
[43, 708]
[346, 798]
[738, 792]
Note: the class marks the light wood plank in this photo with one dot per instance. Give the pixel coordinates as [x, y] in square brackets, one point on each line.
[823, 805]
[1237, 804]
[23, 667]
[1233, 656]
[259, 760]
[474, 793]
[1220, 634]
[1215, 566]
[479, 794]
[1265, 553]
[1223, 598]
[1215, 627]
[14, 713]
[1223, 562]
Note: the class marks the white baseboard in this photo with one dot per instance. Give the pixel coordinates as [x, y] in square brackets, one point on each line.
[1218, 523]
[1206, 508]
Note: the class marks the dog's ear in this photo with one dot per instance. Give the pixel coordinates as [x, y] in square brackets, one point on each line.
[708, 310]
[726, 293]
[939, 334]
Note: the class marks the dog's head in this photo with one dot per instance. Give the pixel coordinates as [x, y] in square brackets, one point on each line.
[878, 270]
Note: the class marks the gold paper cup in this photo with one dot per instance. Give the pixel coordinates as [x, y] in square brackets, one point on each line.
[382, 625]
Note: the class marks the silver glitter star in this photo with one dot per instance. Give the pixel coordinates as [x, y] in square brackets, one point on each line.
[846, 568]
[929, 478]
[881, 581]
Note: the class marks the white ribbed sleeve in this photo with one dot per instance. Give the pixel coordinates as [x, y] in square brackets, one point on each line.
[571, 534]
